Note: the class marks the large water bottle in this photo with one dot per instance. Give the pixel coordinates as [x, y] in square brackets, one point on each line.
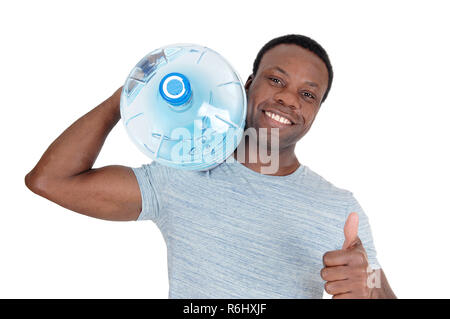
[184, 106]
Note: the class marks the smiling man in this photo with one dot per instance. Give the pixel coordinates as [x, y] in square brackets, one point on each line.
[232, 231]
[288, 84]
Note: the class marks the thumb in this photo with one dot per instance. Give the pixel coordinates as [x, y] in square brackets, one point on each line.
[351, 230]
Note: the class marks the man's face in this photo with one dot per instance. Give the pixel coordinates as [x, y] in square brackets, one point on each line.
[290, 82]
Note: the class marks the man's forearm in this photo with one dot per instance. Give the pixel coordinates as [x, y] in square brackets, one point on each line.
[77, 148]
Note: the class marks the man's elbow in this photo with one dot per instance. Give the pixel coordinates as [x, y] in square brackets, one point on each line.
[35, 182]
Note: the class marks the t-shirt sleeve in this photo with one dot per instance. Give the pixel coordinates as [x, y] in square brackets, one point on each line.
[152, 178]
[364, 231]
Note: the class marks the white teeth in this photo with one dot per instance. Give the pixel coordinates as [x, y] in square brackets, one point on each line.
[278, 118]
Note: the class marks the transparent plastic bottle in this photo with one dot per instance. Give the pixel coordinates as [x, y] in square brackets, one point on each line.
[184, 106]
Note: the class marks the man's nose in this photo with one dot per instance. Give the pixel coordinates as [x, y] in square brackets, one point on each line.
[288, 98]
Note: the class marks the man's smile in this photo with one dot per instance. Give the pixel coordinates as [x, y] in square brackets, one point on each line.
[275, 118]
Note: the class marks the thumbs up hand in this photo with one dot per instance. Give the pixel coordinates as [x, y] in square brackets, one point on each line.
[346, 271]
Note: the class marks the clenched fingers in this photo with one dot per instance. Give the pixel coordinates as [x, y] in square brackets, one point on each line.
[345, 257]
[337, 287]
[335, 273]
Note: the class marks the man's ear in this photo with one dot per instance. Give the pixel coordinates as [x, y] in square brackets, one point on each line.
[249, 82]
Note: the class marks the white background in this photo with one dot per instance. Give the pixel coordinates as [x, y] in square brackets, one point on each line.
[382, 133]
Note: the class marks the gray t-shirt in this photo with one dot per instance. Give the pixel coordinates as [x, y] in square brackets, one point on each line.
[231, 232]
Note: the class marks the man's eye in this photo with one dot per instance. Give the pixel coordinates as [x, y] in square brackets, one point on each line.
[309, 95]
[275, 80]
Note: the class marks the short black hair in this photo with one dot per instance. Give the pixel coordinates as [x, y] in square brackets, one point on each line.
[304, 42]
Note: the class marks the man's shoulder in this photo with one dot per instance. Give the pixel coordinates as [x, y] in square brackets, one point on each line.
[321, 185]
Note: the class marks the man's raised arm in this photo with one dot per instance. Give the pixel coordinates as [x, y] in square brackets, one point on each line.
[65, 176]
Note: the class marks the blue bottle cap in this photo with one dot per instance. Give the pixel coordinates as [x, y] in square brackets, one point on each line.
[175, 89]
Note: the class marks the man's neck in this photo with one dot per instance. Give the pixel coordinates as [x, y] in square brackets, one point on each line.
[287, 161]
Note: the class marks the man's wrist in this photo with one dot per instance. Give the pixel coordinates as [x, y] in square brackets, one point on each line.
[381, 293]
[113, 103]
